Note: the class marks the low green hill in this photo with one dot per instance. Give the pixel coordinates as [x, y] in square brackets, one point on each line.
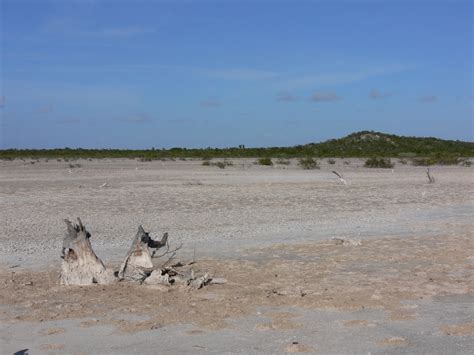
[369, 143]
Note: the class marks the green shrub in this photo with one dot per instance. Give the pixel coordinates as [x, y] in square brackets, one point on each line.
[436, 160]
[375, 162]
[264, 161]
[219, 164]
[308, 163]
[331, 161]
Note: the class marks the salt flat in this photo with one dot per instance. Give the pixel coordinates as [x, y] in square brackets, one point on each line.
[406, 288]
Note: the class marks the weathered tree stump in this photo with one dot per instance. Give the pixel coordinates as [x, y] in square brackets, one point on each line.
[81, 266]
[138, 261]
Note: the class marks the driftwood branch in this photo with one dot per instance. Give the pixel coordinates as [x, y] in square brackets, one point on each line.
[138, 261]
[431, 179]
[80, 265]
[341, 178]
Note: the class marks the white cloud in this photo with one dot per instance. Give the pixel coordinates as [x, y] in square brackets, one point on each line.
[210, 103]
[376, 95]
[330, 79]
[286, 97]
[325, 97]
[428, 99]
[135, 118]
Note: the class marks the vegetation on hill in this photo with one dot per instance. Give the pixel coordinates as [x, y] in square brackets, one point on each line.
[360, 144]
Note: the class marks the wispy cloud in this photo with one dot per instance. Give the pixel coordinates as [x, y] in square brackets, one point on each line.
[285, 97]
[78, 28]
[330, 79]
[180, 120]
[135, 118]
[428, 99]
[45, 109]
[68, 120]
[210, 103]
[377, 95]
[325, 97]
[127, 31]
[236, 74]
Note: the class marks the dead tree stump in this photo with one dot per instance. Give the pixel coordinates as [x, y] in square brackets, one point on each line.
[80, 264]
[138, 262]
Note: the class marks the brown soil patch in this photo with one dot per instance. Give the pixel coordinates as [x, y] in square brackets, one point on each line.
[51, 331]
[298, 348]
[393, 341]
[377, 274]
[195, 332]
[52, 347]
[356, 322]
[459, 329]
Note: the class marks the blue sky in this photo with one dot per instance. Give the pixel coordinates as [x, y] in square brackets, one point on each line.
[141, 74]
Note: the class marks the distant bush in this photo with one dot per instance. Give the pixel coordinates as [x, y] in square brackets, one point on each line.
[466, 162]
[73, 166]
[331, 161]
[146, 159]
[219, 164]
[264, 161]
[402, 161]
[375, 162]
[283, 161]
[346, 162]
[308, 163]
[436, 160]
[222, 164]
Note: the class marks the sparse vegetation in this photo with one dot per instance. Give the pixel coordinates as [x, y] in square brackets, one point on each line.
[331, 161]
[219, 164]
[264, 161]
[146, 159]
[308, 163]
[436, 160]
[360, 144]
[375, 162]
[282, 161]
[73, 166]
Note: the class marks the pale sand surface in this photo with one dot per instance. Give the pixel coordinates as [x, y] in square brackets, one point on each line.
[406, 289]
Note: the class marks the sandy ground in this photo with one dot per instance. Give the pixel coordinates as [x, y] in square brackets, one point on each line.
[404, 285]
